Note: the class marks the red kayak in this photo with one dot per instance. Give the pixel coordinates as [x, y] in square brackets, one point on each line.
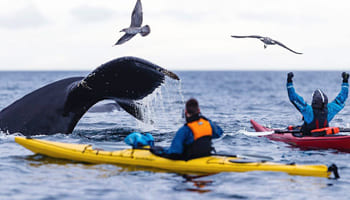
[337, 141]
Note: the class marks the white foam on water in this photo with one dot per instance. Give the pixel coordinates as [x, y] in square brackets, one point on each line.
[5, 136]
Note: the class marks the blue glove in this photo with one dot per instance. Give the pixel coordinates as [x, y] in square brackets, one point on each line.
[157, 150]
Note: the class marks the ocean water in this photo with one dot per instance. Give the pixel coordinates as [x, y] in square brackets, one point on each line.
[230, 98]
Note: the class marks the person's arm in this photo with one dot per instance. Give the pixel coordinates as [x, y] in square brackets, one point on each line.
[182, 136]
[217, 131]
[339, 102]
[298, 101]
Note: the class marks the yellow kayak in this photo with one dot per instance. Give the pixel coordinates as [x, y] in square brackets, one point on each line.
[144, 158]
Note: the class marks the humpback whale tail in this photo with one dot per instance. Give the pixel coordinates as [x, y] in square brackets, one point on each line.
[57, 107]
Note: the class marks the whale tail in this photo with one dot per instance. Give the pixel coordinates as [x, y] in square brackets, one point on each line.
[57, 107]
[145, 30]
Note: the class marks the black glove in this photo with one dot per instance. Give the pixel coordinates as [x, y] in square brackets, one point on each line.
[290, 76]
[345, 77]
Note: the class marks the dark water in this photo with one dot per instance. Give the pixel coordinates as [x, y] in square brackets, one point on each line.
[229, 98]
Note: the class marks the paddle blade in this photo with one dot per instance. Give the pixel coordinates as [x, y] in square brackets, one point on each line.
[257, 133]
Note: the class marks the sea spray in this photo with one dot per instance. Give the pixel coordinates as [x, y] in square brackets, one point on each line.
[162, 109]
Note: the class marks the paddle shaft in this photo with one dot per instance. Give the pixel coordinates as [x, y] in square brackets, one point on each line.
[333, 130]
[244, 156]
[223, 154]
[344, 129]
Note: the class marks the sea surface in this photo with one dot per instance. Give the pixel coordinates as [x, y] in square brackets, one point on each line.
[230, 98]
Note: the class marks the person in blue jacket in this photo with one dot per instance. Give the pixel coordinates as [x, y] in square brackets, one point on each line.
[193, 139]
[320, 113]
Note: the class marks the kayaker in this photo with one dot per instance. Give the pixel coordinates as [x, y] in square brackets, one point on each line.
[320, 113]
[193, 139]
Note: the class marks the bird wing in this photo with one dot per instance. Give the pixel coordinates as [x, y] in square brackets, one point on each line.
[124, 38]
[247, 36]
[284, 46]
[136, 17]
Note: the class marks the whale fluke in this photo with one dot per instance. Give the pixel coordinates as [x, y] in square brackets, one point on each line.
[57, 107]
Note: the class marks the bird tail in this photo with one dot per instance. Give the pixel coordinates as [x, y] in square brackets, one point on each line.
[145, 30]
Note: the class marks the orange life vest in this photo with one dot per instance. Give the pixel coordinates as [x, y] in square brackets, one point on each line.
[200, 128]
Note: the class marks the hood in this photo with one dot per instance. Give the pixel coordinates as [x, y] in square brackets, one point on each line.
[319, 99]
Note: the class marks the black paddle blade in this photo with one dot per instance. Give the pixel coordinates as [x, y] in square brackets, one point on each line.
[333, 168]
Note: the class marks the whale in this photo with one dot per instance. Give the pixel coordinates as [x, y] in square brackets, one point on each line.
[58, 106]
[103, 108]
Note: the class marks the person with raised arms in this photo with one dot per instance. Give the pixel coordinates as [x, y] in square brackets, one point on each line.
[320, 113]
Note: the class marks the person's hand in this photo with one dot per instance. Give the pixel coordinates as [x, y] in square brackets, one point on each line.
[345, 77]
[290, 76]
[157, 150]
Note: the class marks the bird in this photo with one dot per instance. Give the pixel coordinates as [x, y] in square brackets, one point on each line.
[135, 27]
[266, 41]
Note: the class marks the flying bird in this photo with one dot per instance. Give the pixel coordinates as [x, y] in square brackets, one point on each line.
[135, 27]
[266, 41]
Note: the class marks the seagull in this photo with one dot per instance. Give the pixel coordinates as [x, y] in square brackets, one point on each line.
[135, 27]
[266, 41]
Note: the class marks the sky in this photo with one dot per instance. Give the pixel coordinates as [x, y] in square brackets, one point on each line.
[185, 34]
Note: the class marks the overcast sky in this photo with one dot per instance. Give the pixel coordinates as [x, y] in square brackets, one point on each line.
[185, 34]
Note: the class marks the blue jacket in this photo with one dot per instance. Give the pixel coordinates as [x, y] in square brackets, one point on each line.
[184, 136]
[306, 110]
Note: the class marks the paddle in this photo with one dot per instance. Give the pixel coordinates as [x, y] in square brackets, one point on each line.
[243, 156]
[264, 158]
[315, 132]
